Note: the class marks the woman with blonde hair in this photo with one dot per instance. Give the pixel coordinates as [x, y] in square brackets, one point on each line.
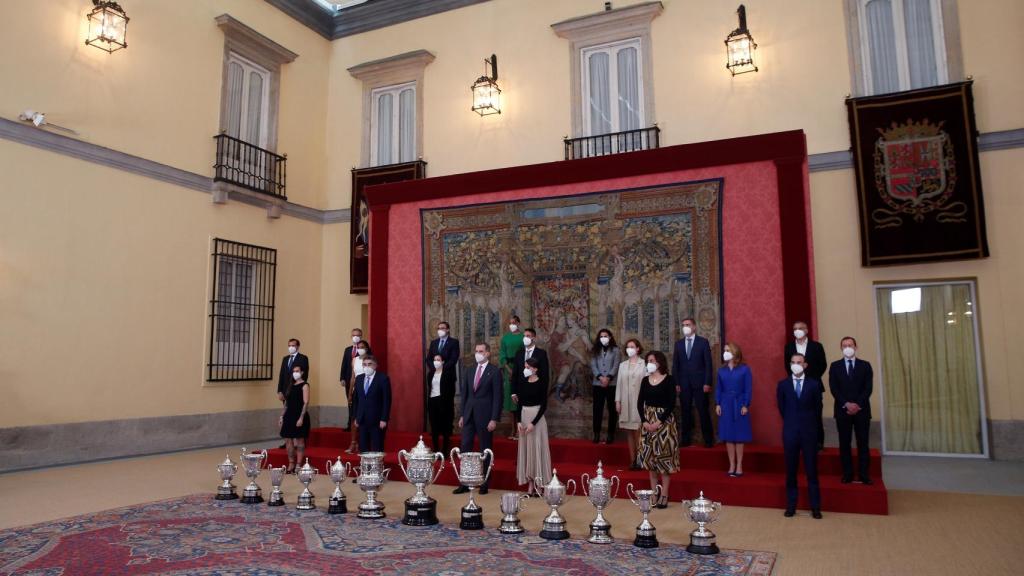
[631, 372]
[732, 404]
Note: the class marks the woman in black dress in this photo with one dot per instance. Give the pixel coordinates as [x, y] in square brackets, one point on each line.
[294, 420]
[659, 443]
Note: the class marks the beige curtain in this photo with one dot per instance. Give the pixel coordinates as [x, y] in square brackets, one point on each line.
[930, 375]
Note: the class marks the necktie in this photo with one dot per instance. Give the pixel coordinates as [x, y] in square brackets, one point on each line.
[476, 381]
[689, 346]
[366, 386]
[849, 367]
[290, 360]
[355, 351]
[799, 386]
[528, 352]
[441, 345]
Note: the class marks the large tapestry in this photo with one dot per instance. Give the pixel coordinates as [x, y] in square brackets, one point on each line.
[918, 178]
[634, 261]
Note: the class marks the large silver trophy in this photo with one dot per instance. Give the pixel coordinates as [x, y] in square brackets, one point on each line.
[646, 535]
[420, 509]
[703, 512]
[253, 462]
[554, 494]
[227, 470]
[471, 475]
[276, 478]
[306, 475]
[600, 491]
[511, 504]
[372, 476]
[338, 472]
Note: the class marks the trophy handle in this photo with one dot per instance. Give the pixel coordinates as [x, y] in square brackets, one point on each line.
[522, 505]
[451, 458]
[616, 484]
[327, 466]
[490, 463]
[438, 456]
[386, 472]
[573, 482]
[585, 482]
[657, 491]
[538, 487]
[402, 466]
[630, 493]
[263, 457]
[348, 469]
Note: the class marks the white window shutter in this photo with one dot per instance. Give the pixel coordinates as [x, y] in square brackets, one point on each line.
[407, 125]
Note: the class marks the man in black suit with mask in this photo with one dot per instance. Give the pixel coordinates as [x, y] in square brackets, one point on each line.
[529, 350]
[691, 367]
[482, 397]
[294, 358]
[799, 402]
[814, 353]
[850, 381]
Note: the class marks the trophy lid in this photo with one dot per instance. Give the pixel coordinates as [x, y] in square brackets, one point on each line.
[227, 461]
[420, 450]
[306, 467]
[554, 483]
[338, 464]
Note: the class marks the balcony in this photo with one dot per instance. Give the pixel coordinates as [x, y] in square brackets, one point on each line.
[250, 167]
[613, 143]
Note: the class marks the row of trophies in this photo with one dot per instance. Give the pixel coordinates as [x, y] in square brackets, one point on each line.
[421, 510]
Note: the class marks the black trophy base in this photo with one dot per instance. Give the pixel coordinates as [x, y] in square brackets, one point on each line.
[420, 513]
[276, 502]
[554, 534]
[231, 496]
[472, 519]
[339, 506]
[645, 541]
[702, 550]
[252, 499]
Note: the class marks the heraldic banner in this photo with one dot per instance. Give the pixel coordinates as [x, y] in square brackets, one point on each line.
[915, 156]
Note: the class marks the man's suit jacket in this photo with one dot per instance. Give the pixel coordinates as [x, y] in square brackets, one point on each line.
[373, 406]
[519, 362]
[483, 405]
[285, 376]
[800, 416]
[815, 356]
[694, 371]
[855, 388]
[449, 371]
[346, 363]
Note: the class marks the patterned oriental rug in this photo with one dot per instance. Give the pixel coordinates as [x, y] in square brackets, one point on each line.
[198, 535]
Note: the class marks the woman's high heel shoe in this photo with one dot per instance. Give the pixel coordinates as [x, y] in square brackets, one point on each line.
[662, 503]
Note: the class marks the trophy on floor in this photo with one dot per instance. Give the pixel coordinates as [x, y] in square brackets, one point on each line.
[338, 472]
[372, 476]
[306, 475]
[420, 509]
[276, 496]
[253, 462]
[554, 494]
[600, 491]
[226, 490]
[703, 512]
[511, 504]
[471, 475]
[646, 535]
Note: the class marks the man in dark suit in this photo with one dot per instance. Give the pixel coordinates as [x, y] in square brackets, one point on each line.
[850, 381]
[814, 353]
[441, 398]
[799, 400]
[691, 366]
[371, 403]
[350, 353]
[294, 358]
[529, 350]
[482, 397]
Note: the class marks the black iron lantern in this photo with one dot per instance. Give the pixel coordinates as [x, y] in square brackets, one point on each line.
[740, 46]
[486, 94]
[108, 25]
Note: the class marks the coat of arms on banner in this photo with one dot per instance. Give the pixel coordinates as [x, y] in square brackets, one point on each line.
[915, 173]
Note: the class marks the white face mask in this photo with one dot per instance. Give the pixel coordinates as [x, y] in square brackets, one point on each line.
[438, 364]
[652, 367]
[527, 341]
[356, 339]
[797, 369]
[361, 351]
[799, 334]
[849, 351]
[527, 372]
[369, 371]
[442, 333]
[297, 376]
[480, 357]
[513, 327]
[630, 351]
[687, 331]
[292, 349]
[605, 340]
[727, 356]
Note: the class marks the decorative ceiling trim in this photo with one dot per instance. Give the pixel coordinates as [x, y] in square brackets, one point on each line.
[364, 17]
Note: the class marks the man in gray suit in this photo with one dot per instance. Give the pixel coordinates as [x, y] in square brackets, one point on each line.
[482, 395]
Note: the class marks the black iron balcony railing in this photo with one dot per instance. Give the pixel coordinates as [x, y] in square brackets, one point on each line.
[614, 143]
[249, 166]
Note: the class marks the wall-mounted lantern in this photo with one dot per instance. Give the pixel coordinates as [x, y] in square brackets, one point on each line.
[740, 46]
[486, 94]
[108, 25]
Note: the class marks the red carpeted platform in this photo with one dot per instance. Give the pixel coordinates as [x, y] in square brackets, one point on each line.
[762, 485]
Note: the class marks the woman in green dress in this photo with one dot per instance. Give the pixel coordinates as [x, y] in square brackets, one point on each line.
[511, 343]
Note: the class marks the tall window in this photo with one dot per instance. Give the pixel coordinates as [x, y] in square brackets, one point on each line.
[612, 87]
[902, 44]
[248, 100]
[393, 124]
[242, 312]
[933, 401]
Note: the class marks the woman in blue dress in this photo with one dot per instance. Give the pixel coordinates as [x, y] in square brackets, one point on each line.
[732, 404]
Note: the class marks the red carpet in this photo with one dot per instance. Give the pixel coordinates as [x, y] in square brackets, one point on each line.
[762, 485]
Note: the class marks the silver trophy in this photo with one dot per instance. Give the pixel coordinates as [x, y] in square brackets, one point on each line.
[703, 512]
[420, 509]
[600, 491]
[338, 472]
[554, 494]
[646, 535]
[511, 504]
[306, 475]
[372, 475]
[227, 470]
[471, 475]
[276, 496]
[253, 462]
